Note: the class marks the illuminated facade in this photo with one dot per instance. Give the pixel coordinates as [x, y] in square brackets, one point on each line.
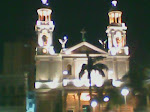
[57, 84]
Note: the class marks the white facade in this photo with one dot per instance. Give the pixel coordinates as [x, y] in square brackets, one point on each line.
[60, 71]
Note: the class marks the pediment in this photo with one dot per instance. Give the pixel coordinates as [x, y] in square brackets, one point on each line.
[85, 47]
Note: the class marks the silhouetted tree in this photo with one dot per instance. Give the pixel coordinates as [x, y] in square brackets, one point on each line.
[107, 89]
[92, 65]
[137, 79]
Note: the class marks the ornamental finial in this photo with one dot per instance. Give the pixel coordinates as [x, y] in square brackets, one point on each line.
[45, 2]
[114, 3]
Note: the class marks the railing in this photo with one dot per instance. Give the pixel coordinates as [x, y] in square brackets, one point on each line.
[82, 82]
[44, 22]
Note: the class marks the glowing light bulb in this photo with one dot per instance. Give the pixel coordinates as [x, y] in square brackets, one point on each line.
[65, 37]
[125, 92]
[114, 3]
[44, 1]
[106, 99]
[44, 51]
[94, 103]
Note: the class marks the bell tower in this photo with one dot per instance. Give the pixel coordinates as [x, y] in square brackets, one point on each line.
[48, 76]
[116, 32]
[44, 28]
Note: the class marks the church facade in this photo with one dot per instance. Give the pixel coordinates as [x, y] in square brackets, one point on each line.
[57, 83]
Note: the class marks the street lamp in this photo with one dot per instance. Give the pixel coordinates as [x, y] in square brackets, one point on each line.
[125, 92]
[94, 104]
[106, 99]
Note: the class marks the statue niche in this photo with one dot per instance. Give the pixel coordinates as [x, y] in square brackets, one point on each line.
[118, 40]
[45, 40]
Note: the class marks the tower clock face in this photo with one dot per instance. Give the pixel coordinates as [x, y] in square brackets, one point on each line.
[117, 39]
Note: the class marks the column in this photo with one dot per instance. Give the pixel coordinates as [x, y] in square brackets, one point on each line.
[79, 103]
[115, 74]
[124, 37]
[115, 18]
[119, 18]
[64, 103]
[110, 19]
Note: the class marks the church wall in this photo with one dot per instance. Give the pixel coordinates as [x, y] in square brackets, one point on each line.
[49, 68]
[42, 70]
[76, 64]
[109, 64]
[118, 66]
[68, 62]
[121, 69]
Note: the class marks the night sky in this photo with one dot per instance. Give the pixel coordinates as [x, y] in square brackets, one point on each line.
[18, 18]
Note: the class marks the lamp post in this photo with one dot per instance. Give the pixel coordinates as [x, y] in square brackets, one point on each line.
[94, 104]
[106, 99]
[125, 92]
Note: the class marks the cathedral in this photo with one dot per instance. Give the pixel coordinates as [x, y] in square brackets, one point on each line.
[57, 83]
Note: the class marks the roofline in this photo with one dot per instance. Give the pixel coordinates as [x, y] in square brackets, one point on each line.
[69, 50]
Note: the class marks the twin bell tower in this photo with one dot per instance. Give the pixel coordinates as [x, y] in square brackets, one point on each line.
[45, 28]
[57, 74]
[116, 31]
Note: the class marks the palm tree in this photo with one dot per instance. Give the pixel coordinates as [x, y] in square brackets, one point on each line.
[92, 65]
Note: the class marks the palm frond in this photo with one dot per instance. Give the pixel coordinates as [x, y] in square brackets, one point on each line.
[91, 66]
[96, 59]
[107, 83]
[125, 77]
[100, 66]
[101, 72]
[84, 67]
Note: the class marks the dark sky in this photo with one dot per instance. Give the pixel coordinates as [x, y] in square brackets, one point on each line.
[18, 18]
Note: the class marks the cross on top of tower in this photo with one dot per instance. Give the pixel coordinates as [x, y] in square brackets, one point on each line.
[114, 3]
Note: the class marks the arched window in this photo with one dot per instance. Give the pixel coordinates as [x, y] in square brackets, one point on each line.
[69, 69]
